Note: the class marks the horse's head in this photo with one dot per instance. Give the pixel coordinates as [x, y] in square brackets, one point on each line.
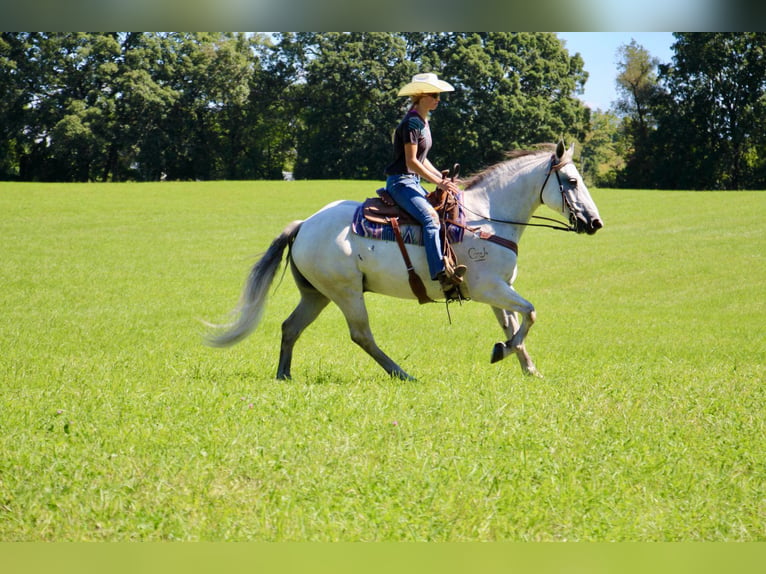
[567, 193]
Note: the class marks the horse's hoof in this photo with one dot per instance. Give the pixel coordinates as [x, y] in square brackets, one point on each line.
[533, 372]
[498, 352]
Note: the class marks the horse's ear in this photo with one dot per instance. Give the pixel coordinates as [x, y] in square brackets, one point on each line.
[560, 149]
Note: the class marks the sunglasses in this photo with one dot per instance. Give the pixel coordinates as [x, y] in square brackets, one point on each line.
[435, 96]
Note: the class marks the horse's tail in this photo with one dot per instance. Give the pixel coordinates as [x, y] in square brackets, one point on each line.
[253, 300]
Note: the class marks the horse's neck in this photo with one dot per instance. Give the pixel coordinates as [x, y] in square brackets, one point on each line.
[506, 198]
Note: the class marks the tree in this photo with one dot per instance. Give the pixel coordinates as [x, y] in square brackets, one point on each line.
[636, 85]
[603, 150]
[262, 136]
[209, 75]
[511, 90]
[61, 104]
[712, 127]
[348, 103]
[143, 97]
[14, 98]
[117, 106]
[81, 107]
[79, 139]
[638, 92]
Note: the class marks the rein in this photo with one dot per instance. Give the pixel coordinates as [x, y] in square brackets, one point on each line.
[560, 225]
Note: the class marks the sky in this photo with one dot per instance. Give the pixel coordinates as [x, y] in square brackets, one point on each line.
[599, 52]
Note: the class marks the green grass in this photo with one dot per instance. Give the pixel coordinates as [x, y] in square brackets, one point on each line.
[117, 423]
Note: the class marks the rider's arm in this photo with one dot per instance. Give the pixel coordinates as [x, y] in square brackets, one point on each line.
[424, 169]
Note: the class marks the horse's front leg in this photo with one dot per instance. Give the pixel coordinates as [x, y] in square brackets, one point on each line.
[507, 304]
[515, 342]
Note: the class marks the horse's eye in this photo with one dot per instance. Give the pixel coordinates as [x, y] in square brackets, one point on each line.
[573, 181]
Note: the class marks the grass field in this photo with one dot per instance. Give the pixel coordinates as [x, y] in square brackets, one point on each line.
[117, 424]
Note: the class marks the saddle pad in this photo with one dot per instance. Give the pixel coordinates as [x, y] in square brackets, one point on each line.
[412, 234]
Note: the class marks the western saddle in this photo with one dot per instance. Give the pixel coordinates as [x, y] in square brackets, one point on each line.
[384, 210]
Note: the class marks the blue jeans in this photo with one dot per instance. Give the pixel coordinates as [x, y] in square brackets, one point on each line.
[410, 196]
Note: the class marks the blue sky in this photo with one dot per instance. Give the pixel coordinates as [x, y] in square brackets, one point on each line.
[599, 52]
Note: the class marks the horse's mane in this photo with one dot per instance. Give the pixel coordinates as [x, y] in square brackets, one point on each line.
[513, 156]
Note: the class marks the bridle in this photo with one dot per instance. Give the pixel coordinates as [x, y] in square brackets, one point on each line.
[560, 225]
[555, 168]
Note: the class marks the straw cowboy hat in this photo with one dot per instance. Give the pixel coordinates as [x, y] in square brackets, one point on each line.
[425, 84]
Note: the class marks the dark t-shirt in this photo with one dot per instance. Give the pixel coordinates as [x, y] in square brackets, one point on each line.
[412, 129]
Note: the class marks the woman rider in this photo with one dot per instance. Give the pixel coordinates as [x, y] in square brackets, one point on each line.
[412, 141]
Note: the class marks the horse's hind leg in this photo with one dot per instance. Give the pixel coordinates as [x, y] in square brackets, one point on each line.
[310, 306]
[355, 311]
[515, 333]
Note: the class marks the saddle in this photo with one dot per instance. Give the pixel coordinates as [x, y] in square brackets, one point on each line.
[383, 210]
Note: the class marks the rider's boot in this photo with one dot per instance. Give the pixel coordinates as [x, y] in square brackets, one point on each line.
[451, 276]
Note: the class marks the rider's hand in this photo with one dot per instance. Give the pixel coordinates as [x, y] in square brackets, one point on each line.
[448, 185]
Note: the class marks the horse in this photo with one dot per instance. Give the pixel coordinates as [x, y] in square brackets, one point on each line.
[331, 263]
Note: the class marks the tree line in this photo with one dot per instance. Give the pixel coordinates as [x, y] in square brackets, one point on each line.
[145, 106]
[202, 106]
[697, 122]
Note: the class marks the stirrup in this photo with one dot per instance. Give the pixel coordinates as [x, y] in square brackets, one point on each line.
[450, 278]
[454, 274]
[458, 273]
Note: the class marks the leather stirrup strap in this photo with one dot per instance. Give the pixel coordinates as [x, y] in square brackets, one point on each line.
[416, 283]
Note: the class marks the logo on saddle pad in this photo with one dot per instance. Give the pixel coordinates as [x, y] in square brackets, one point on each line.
[373, 219]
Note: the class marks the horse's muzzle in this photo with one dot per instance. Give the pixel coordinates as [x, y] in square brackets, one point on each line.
[589, 226]
[594, 226]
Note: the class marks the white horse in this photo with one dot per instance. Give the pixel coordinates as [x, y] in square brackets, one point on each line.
[330, 263]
